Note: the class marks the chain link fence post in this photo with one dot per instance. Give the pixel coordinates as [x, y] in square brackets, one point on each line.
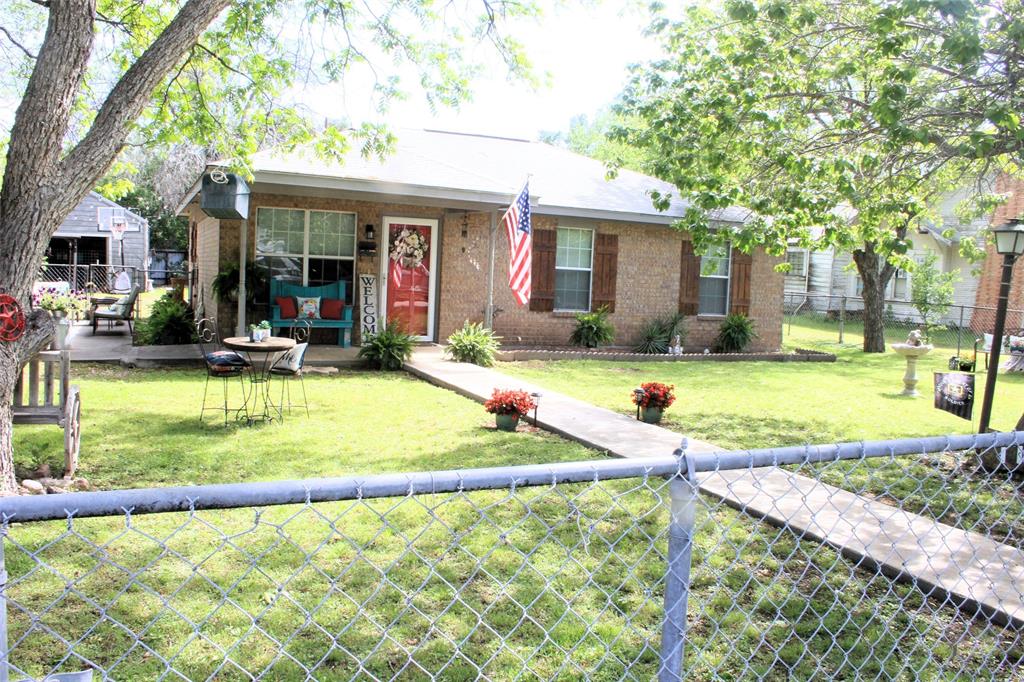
[959, 331]
[842, 317]
[683, 499]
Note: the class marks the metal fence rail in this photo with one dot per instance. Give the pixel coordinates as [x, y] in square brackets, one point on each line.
[607, 569]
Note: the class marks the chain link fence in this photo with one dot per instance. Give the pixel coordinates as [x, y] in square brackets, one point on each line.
[884, 560]
[98, 279]
[810, 318]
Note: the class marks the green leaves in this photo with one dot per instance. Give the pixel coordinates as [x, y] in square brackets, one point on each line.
[246, 85]
[836, 123]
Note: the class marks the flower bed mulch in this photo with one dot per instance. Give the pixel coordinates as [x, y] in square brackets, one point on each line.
[507, 354]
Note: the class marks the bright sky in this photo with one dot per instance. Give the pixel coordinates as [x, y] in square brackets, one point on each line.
[580, 53]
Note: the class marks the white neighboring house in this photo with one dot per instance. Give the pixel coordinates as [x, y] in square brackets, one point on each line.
[818, 280]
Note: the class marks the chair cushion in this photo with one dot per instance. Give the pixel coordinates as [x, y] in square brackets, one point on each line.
[225, 360]
[288, 309]
[291, 362]
[309, 307]
[331, 308]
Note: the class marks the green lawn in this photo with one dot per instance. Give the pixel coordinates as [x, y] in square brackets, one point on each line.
[473, 582]
[764, 404]
[743, 405]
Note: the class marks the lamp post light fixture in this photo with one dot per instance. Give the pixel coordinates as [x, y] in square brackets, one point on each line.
[638, 397]
[536, 395]
[1009, 244]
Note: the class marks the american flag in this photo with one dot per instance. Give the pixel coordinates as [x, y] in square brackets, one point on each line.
[517, 225]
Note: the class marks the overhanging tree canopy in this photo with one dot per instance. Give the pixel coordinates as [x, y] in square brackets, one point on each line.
[95, 75]
[849, 116]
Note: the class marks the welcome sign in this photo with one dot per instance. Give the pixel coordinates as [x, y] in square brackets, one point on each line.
[367, 306]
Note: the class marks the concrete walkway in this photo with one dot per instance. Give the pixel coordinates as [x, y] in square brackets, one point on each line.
[971, 570]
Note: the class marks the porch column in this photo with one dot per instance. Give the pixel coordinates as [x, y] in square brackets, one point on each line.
[243, 249]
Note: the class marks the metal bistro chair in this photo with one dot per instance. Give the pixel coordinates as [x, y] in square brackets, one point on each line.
[290, 365]
[220, 364]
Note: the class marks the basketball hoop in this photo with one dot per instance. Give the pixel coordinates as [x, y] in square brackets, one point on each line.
[118, 225]
[115, 221]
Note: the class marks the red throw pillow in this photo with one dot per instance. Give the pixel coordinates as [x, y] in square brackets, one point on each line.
[331, 308]
[287, 305]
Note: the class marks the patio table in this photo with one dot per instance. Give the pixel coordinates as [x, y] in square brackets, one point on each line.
[261, 356]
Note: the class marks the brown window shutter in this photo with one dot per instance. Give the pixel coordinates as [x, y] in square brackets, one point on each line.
[739, 282]
[606, 265]
[542, 273]
[689, 280]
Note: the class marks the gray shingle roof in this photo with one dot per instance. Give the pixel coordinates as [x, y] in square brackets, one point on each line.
[456, 165]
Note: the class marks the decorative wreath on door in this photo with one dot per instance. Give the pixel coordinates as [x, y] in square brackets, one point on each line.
[12, 319]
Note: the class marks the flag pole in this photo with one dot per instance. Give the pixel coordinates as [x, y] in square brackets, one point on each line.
[492, 244]
[489, 310]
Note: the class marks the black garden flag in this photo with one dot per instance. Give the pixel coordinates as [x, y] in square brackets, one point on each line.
[954, 393]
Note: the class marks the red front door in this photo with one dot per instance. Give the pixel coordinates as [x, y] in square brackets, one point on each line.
[409, 276]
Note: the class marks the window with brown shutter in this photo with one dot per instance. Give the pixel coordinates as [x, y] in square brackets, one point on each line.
[542, 274]
[606, 263]
[739, 282]
[689, 280]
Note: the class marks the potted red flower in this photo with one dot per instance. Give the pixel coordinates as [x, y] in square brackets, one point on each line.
[508, 406]
[653, 398]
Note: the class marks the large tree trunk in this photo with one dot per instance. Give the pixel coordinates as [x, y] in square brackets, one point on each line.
[41, 187]
[875, 273]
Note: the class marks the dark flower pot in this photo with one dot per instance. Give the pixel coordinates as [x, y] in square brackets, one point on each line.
[651, 415]
[966, 366]
[506, 422]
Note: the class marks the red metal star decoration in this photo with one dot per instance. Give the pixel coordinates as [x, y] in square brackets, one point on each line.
[12, 319]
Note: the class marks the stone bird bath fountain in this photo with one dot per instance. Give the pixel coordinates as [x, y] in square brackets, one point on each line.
[912, 349]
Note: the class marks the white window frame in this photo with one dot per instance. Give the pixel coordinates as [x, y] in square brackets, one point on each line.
[590, 269]
[728, 282]
[305, 255]
[806, 259]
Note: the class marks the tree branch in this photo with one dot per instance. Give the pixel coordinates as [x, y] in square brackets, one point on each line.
[42, 117]
[106, 137]
[18, 45]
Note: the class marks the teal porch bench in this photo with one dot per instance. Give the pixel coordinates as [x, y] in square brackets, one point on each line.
[335, 290]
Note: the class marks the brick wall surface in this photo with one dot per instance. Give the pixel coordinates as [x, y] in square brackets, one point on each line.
[987, 294]
[647, 284]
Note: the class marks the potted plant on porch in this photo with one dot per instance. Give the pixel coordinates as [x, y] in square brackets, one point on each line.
[653, 398]
[508, 406]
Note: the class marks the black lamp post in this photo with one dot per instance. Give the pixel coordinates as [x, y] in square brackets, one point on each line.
[638, 397]
[1009, 244]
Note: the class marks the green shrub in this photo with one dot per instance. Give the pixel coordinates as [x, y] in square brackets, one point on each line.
[657, 335]
[388, 349]
[735, 334]
[473, 343]
[593, 329]
[170, 322]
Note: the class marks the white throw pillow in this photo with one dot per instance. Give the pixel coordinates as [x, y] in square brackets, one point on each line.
[988, 342]
[309, 308]
[292, 360]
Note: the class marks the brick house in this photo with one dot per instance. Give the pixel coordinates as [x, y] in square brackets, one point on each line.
[595, 242]
[983, 319]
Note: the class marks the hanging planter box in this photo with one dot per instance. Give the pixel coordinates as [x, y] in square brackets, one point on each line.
[224, 196]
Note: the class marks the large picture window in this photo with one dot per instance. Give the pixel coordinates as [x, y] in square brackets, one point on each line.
[574, 258]
[714, 281]
[307, 247]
